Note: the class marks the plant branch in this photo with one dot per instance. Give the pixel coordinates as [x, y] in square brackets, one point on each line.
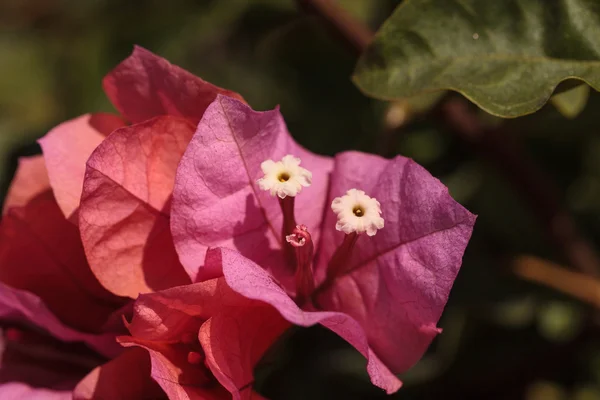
[575, 284]
[495, 146]
[340, 23]
[501, 150]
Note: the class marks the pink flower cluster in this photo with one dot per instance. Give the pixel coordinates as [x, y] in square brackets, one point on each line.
[142, 257]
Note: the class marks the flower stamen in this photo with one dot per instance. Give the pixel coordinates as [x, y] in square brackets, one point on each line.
[197, 374]
[195, 358]
[284, 178]
[357, 212]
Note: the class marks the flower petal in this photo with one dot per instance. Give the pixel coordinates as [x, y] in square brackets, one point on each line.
[20, 391]
[170, 369]
[251, 281]
[30, 180]
[66, 148]
[236, 333]
[398, 281]
[124, 211]
[235, 339]
[159, 322]
[125, 377]
[145, 85]
[166, 315]
[20, 305]
[40, 252]
[216, 200]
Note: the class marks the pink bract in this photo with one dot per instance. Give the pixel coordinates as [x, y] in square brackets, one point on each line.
[117, 183]
[395, 286]
[226, 333]
[44, 278]
[85, 228]
[125, 206]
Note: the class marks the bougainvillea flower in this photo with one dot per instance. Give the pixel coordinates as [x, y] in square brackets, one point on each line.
[376, 267]
[204, 339]
[86, 228]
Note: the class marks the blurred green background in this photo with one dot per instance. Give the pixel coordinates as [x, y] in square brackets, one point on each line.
[503, 338]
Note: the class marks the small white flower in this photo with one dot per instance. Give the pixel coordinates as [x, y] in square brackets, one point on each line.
[357, 212]
[284, 178]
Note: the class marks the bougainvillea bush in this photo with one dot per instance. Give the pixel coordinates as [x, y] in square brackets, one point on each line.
[162, 251]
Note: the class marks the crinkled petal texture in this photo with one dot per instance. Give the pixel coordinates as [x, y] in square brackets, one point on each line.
[44, 272]
[250, 280]
[66, 148]
[233, 333]
[142, 87]
[235, 339]
[125, 206]
[217, 201]
[397, 282]
[145, 85]
[124, 377]
[40, 252]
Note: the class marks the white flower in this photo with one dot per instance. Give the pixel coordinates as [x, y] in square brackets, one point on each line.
[284, 178]
[357, 212]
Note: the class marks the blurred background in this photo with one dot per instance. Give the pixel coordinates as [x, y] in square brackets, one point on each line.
[534, 181]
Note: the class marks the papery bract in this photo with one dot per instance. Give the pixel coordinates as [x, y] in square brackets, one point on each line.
[35, 365]
[40, 252]
[217, 202]
[226, 332]
[129, 178]
[19, 390]
[66, 149]
[389, 295]
[44, 271]
[114, 182]
[397, 282]
[124, 377]
[31, 179]
[125, 206]
[145, 85]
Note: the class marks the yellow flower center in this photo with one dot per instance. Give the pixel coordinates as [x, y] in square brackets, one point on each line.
[283, 177]
[358, 211]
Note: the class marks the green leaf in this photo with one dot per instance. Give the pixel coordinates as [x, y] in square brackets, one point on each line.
[505, 56]
[572, 102]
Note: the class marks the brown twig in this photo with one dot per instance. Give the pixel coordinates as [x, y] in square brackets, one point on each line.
[501, 150]
[495, 146]
[340, 22]
[575, 284]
